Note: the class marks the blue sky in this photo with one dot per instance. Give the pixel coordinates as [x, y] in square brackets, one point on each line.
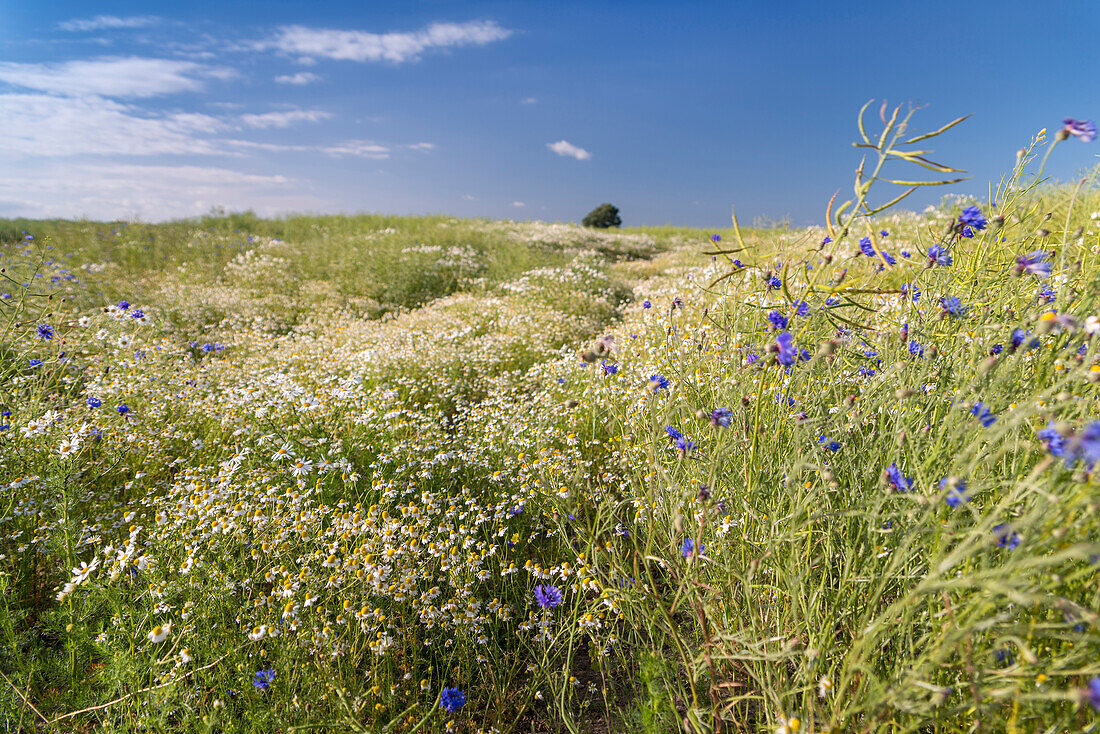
[521, 110]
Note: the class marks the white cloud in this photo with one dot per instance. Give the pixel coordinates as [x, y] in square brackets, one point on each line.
[302, 77]
[469, 197]
[310, 43]
[109, 191]
[112, 76]
[421, 146]
[284, 119]
[528, 100]
[358, 149]
[565, 148]
[43, 125]
[518, 204]
[102, 22]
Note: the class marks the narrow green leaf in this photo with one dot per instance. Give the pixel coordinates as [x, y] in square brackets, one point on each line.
[893, 201]
[922, 183]
[943, 129]
[862, 131]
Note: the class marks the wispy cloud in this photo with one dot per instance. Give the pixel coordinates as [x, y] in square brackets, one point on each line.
[150, 192]
[284, 119]
[421, 146]
[565, 148]
[131, 76]
[302, 77]
[106, 22]
[311, 43]
[528, 100]
[45, 125]
[518, 204]
[358, 149]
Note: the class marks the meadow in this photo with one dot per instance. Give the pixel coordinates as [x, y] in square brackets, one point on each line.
[421, 474]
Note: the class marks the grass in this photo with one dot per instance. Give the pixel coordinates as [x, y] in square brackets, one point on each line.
[355, 446]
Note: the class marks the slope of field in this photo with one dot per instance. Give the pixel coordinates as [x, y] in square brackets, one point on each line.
[423, 474]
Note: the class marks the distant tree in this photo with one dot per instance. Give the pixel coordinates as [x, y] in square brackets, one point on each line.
[603, 217]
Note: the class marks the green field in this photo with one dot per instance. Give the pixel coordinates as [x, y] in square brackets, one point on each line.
[304, 474]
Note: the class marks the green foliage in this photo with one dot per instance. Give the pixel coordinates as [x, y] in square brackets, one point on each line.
[356, 445]
[604, 216]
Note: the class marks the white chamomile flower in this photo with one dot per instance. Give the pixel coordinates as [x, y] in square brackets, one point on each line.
[160, 633]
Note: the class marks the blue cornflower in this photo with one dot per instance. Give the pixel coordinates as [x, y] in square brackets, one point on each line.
[911, 291]
[897, 480]
[137, 313]
[787, 353]
[967, 233]
[752, 357]
[673, 433]
[608, 367]
[721, 417]
[952, 306]
[687, 548]
[1006, 537]
[208, 347]
[916, 349]
[956, 492]
[452, 699]
[646, 304]
[1047, 294]
[1017, 338]
[1034, 263]
[548, 596]
[827, 240]
[774, 283]
[738, 264]
[1092, 693]
[263, 678]
[123, 305]
[33, 363]
[1085, 445]
[777, 320]
[939, 255]
[982, 412]
[1052, 439]
[832, 301]
[866, 247]
[972, 217]
[45, 331]
[685, 446]
[828, 445]
[866, 371]
[658, 383]
[716, 238]
[1085, 130]
[906, 254]
[94, 402]
[515, 510]
[996, 349]
[123, 409]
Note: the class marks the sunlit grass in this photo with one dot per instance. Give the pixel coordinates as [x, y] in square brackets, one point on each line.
[310, 475]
